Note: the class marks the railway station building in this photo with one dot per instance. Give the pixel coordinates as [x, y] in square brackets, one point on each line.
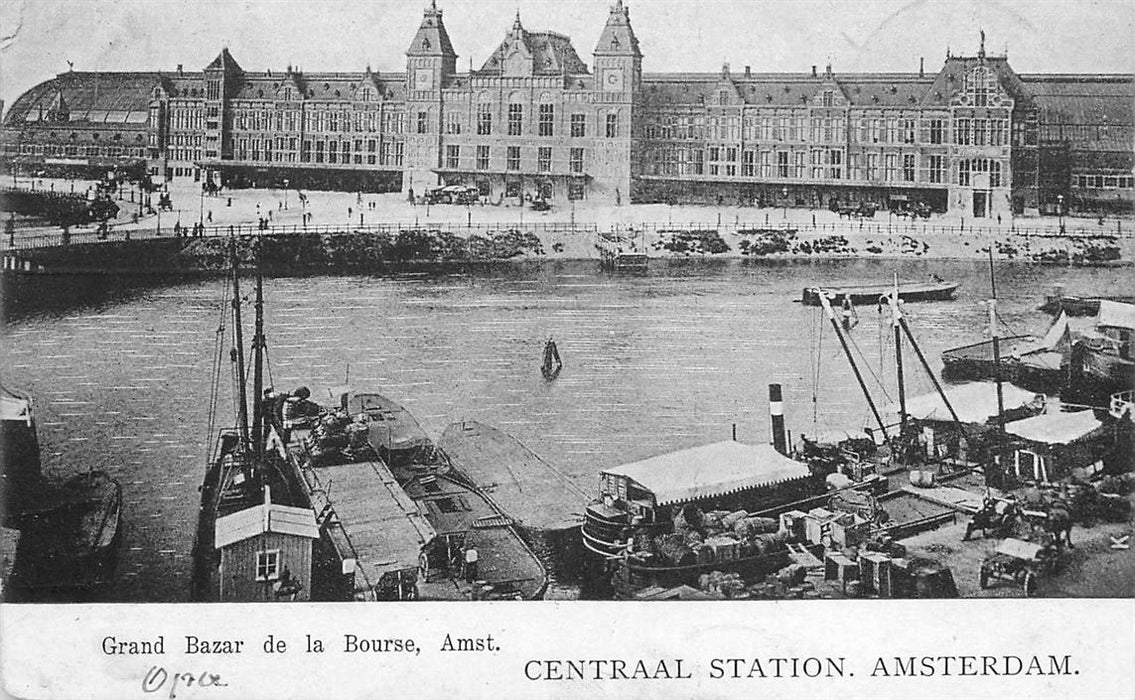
[972, 137]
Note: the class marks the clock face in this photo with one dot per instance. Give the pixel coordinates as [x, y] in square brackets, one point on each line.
[424, 79]
[613, 79]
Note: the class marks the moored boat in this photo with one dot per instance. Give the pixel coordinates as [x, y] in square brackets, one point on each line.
[871, 293]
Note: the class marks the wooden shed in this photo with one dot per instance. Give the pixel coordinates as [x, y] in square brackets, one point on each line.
[266, 553]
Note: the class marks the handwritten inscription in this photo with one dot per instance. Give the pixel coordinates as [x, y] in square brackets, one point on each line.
[158, 679]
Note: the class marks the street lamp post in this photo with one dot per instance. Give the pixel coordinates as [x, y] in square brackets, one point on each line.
[784, 193]
[1060, 210]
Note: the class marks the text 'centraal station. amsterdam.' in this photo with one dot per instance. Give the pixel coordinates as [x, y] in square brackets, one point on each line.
[972, 137]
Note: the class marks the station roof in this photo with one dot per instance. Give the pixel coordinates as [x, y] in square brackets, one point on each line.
[710, 470]
[974, 402]
[95, 97]
[1055, 428]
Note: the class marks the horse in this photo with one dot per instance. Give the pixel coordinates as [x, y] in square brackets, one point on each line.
[994, 515]
[1058, 521]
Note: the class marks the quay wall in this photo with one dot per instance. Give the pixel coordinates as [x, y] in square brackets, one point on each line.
[384, 248]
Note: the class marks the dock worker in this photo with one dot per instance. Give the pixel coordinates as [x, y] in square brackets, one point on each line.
[471, 559]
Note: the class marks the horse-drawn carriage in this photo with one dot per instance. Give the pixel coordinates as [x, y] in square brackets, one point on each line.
[855, 210]
[1019, 562]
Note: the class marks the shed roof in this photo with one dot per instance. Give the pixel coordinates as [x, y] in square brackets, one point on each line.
[266, 517]
[710, 470]
[1055, 428]
[383, 525]
[974, 402]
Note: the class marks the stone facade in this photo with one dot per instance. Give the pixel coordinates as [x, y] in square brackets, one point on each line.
[537, 120]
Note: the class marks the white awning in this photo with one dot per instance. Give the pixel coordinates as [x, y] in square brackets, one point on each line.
[975, 402]
[1114, 314]
[710, 470]
[1055, 428]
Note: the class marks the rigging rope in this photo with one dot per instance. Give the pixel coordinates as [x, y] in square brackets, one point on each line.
[215, 375]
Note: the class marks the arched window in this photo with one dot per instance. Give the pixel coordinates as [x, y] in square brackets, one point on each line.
[979, 87]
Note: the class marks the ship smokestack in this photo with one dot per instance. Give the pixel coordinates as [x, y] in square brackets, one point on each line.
[776, 411]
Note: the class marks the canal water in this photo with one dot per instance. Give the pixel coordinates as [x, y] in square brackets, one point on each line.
[653, 363]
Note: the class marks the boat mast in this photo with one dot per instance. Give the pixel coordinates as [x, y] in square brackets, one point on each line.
[896, 316]
[242, 390]
[824, 302]
[996, 360]
[896, 313]
[258, 365]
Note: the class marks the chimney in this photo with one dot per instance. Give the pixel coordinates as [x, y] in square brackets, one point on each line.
[922, 67]
[776, 411]
[179, 67]
[813, 71]
[725, 69]
[748, 71]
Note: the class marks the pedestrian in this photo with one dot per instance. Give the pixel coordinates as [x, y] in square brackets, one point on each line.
[360, 218]
[998, 219]
[210, 217]
[350, 212]
[471, 558]
[230, 201]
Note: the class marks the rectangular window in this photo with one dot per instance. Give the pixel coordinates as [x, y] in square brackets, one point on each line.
[908, 131]
[994, 173]
[513, 158]
[482, 157]
[268, 565]
[612, 126]
[854, 170]
[484, 119]
[890, 165]
[798, 164]
[937, 169]
[453, 123]
[979, 132]
[515, 119]
[332, 151]
[547, 121]
[961, 132]
[371, 145]
[748, 164]
[452, 156]
[766, 164]
[937, 131]
[423, 122]
[319, 145]
[829, 98]
[817, 164]
[399, 152]
[697, 157]
[577, 160]
[782, 164]
[835, 164]
[908, 167]
[963, 173]
[872, 166]
[578, 125]
[544, 159]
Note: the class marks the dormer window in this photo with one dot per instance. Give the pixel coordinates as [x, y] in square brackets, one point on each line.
[614, 42]
[978, 88]
[828, 98]
[366, 94]
[288, 93]
[425, 43]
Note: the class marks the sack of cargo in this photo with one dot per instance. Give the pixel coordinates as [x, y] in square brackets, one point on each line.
[729, 521]
[712, 519]
[678, 554]
[693, 538]
[760, 526]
